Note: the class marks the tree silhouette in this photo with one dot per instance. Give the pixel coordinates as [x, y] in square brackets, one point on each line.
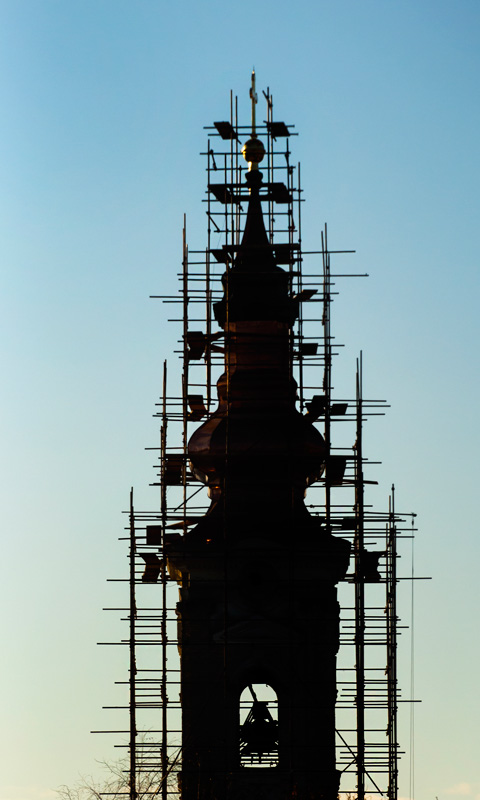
[116, 783]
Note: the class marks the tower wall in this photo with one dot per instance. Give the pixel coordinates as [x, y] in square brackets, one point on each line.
[250, 614]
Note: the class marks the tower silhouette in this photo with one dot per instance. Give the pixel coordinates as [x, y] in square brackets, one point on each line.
[258, 572]
[267, 711]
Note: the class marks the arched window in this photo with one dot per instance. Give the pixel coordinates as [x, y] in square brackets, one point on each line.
[258, 726]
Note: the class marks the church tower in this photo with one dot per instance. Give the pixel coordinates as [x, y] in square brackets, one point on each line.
[258, 573]
[247, 681]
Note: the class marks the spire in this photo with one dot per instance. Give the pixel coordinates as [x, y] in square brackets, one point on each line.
[256, 288]
[255, 245]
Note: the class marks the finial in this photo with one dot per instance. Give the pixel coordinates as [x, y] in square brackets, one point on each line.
[253, 151]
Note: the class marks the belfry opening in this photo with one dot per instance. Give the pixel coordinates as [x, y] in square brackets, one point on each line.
[256, 681]
[258, 726]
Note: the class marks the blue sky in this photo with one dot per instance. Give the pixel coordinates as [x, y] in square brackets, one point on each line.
[103, 105]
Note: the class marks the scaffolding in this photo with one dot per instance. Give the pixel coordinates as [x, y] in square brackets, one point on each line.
[368, 697]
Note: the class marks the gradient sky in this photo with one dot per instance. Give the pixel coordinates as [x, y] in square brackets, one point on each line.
[103, 105]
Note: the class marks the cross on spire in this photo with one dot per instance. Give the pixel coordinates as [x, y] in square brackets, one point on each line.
[254, 99]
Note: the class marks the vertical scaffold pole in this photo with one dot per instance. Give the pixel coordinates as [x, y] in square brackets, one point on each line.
[185, 376]
[359, 590]
[299, 289]
[327, 374]
[163, 511]
[269, 100]
[208, 293]
[391, 613]
[133, 667]
[232, 179]
[238, 178]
